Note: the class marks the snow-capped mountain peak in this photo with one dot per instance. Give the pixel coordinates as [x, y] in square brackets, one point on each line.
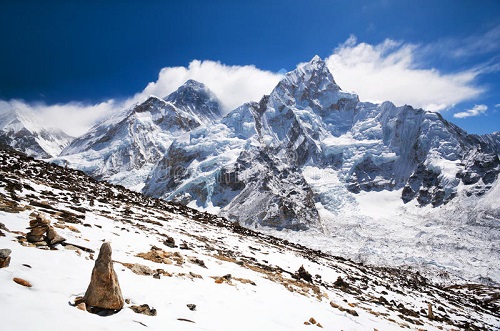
[310, 85]
[197, 100]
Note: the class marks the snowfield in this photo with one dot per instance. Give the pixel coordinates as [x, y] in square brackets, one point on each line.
[237, 278]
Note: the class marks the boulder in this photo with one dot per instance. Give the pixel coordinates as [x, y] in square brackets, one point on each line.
[52, 237]
[5, 257]
[141, 269]
[144, 309]
[104, 290]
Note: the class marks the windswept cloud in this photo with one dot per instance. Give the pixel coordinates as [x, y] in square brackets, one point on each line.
[74, 118]
[234, 85]
[389, 71]
[385, 71]
[477, 44]
[474, 111]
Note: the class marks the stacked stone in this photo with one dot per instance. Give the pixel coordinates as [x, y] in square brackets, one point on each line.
[38, 227]
[41, 232]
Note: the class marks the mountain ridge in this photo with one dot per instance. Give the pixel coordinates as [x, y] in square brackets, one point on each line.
[310, 157]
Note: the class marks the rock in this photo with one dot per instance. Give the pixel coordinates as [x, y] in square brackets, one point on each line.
[340, 283]
[5, 257]
[319, 325]
[104, 290]
[312, 320]
[42, 232]
[191, 306]
[52, 237]
[2, 227]
[430, 314]
[199, 262]
[303, 274]
[22, 282]
[5, 252]
[81, 306]
[144, 309]
[169, 242]
[141, 269]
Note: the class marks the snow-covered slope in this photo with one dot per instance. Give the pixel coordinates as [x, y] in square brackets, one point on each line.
[124, 147]
[25, 132]
[196, 271]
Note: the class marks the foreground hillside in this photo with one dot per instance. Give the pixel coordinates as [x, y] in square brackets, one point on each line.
[196, 271]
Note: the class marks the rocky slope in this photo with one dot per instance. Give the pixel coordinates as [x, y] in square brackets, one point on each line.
[182, 269]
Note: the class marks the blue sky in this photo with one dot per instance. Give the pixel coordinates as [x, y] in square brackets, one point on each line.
[85, 59]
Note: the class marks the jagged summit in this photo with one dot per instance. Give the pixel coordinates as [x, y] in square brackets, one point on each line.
[311, 85]
[198, 100]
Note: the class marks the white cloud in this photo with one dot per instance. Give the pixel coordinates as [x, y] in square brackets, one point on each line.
[74, 118]
[234, 85]
[474, 111]
[388, 71]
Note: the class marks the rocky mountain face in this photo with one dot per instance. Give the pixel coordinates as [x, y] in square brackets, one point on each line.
[124, 148]
[251, 166]
[23, 131]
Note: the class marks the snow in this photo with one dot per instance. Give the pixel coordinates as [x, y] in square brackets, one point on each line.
[46, 141]
[275, 302]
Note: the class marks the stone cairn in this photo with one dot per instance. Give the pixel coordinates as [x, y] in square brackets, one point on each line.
[103, 296]
[41, 232]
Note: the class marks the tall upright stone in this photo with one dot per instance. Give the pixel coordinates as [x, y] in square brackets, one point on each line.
[104, 290]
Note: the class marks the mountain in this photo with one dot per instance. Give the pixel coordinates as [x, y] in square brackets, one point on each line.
[182, 269]
[309, 123]
[197, 100]
[312, 156]
[23, 130]
[123, 148]
[311, 163]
